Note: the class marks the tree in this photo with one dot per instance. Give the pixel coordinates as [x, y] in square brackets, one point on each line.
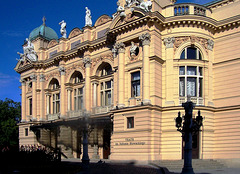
[10, 113]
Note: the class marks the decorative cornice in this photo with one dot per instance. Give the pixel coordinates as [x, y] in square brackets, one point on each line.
[169, 42]
[145, 38]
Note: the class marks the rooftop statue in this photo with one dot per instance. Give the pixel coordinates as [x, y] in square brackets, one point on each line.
[28, 52]
[88, 18]
[121, 10]
[63, 29]
[145, 5]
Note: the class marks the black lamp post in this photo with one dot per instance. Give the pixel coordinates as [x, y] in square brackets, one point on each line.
[188, 128]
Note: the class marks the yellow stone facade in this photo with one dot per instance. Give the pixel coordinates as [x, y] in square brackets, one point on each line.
[133, 95]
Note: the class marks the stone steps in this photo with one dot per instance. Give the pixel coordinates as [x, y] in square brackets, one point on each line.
[198, 164]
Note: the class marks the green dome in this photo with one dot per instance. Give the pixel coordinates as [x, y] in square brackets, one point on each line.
[43, 31]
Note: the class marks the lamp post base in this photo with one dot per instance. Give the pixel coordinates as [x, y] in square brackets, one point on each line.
[187, 170]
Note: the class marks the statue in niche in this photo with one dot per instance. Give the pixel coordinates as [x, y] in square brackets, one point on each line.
[134, 49]
[63, 30]
[28, 52]
[88, 17]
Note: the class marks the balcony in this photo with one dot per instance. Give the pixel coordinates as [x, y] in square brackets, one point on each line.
[186, 9]
[53, 116]
[102, 109]
[77, 113]
[198, 100]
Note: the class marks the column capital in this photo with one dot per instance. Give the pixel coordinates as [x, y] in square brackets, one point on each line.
[169, 42]
[33, 77]
[42, 77]
[120, 46]
[210, 44]
[62, 70]
[69, 88]
[145, 38]
[23, 82]
[87, 62]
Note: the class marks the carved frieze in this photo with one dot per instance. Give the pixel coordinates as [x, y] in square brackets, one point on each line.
[193, 39]
[73, 67]
[53, 74]
[102, 58]
[74, 32]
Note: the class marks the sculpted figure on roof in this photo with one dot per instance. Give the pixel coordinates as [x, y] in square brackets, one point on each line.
[88, 18]
[28, 52]
[63, 30]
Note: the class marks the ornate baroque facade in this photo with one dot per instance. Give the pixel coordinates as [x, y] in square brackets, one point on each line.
[129, 76]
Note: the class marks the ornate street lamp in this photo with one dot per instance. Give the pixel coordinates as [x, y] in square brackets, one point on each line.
[85, 157]
[188, 128]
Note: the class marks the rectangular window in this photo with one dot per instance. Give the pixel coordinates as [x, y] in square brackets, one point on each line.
[30, 106]
[78, 99]
[26, 132]
[106, 93]
[135, 83]
[56, 103]
[130, 122]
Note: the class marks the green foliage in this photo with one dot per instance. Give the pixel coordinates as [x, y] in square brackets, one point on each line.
[10, 112]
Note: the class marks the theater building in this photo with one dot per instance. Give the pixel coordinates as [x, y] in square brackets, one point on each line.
[126, 78]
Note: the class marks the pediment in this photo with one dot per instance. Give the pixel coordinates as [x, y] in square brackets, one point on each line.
[22, 64]
[74, 32]
[102, 20]
[52, 43]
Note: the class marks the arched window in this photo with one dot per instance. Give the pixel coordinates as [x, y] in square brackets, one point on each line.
[54, 84]
[106, 70]
[76, 77]
[54, 99]
[191, 53]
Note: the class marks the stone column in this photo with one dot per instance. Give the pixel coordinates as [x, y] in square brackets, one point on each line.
[48, 103]
[62, 94]
[121, 73]
[87, 62]
[23, 82]
[169, 43]
[34, 97]
[69, 94]
[146, 39]
[42, 100]
[95, 94]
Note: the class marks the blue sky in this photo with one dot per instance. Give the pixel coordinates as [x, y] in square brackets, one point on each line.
[19, 18]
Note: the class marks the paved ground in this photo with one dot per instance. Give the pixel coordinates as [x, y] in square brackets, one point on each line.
[128, 167]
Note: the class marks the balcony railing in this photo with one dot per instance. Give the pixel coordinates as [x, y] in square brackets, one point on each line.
[77, 113]
[189, 9]
[197, 100]
[181, 10]
[53, 116]
[102, 109]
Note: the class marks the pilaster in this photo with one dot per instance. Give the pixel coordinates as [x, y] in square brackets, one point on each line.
[121, 73]
[210, 72]
[42, 99]
[23, 82]
[146, 39]
[34, 97]
[87, 63]
[62, 71]
[169, 43]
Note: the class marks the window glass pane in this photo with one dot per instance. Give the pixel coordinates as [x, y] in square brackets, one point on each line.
[182, 70]
[136, 76]
[102, 99]
[108, 84]
[200, 87]
[75, 103]
[183, 55]
[200, 71]
[191, 86]
[181, 86]
[81, 90]
[200, 55]
[81, 101]
[191, 53]
[101, 86]
[191, 70]
[130, 122]
[108, 98]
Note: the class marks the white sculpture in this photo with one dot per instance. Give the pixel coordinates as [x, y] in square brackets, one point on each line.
[28, 52]
[128, 3]
[121, 10]
[63, 30]
[133, 49]
[145, 5]
[88, 18]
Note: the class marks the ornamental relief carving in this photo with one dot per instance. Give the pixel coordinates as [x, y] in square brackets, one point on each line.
[74, 32]
[53, 74]
[102, 58]
[180, 40]
[73, 67]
